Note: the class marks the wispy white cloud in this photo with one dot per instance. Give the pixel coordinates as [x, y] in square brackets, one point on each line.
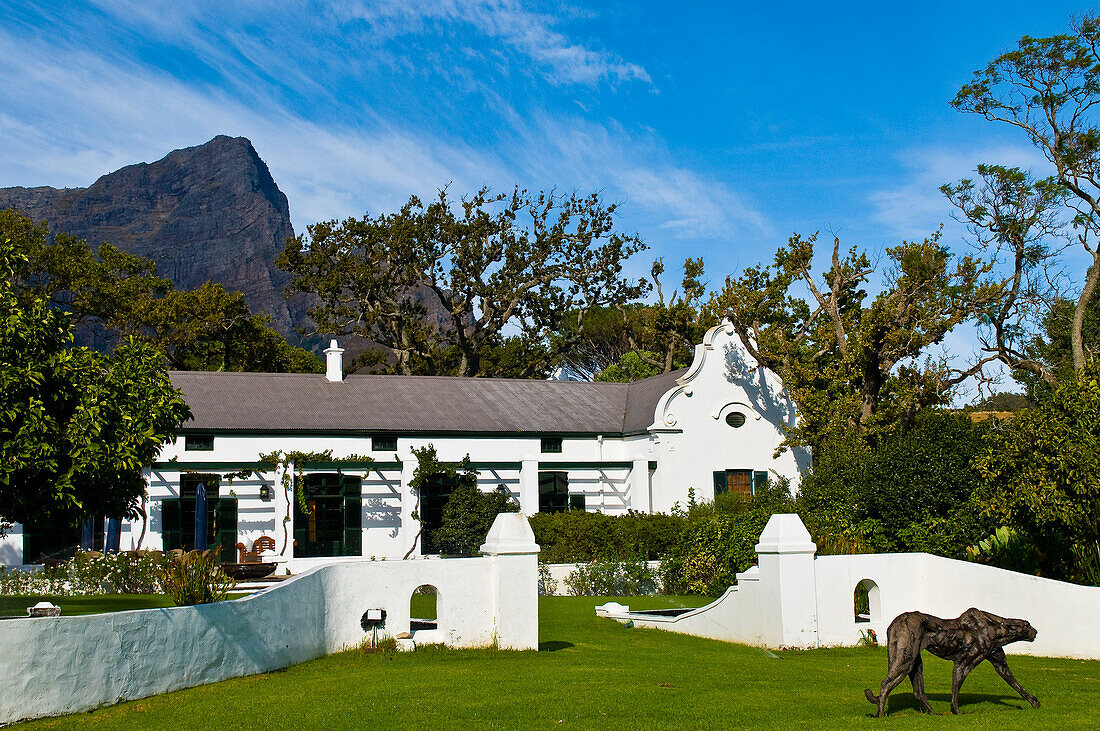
[351, 27]
[75, 116]
[914, 206]
[72, 114]
[530, 34]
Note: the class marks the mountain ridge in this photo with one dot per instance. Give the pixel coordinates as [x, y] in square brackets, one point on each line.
[211, 212]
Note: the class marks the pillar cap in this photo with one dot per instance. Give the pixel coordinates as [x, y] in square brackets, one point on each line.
[510, 534]
[785, 533]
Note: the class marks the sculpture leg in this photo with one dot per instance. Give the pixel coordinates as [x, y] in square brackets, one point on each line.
[894, 676]
[916, 677]
[1000, 664]
[958, 675]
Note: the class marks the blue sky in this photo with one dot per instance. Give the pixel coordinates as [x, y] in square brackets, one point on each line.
[721, 127]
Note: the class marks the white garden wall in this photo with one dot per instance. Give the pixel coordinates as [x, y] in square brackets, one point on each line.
[67, 664]
[792, 599]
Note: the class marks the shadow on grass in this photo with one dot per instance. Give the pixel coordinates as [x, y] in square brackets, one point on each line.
[907, 702]
[554, 646]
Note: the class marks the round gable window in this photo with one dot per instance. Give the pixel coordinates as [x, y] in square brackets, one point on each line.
[735, 419]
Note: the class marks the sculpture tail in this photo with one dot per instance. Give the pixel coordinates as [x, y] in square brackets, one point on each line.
[871, 696]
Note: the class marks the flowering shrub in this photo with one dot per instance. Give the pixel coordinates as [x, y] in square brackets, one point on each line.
[89, 572]
[613, 578]
[548, 585]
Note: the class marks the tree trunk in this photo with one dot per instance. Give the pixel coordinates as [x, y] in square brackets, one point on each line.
[1077, 333]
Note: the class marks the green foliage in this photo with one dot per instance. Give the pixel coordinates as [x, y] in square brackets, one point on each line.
[429, 466]
[849, 362]
[194, 577]
[467, 517]
[111, 295]
[1006, 549]
[1042, 472]
[1053, 345]
[76, 426]
[576, 536]
[548, 585]
[487, 264]
[210, 329]
[914, 491]
[712, 551]
[629, 342]
[1087, 559]
[1046, 89]
[613, 578]
[633, 366]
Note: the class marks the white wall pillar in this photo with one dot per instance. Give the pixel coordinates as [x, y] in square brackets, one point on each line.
[529, 486]
[639, 485]
[409, 527]
[513, 582]
[789, 583]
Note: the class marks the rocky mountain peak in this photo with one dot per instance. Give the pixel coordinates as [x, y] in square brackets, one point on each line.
[210, 212]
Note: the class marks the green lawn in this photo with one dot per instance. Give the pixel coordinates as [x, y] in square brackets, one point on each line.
[595, 673]
[16, 606]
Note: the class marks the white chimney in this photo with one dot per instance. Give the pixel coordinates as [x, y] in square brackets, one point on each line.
[334, 362]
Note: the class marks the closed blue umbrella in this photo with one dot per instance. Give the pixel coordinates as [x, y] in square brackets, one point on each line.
[87, 534]
[114, 535]
[200, 517]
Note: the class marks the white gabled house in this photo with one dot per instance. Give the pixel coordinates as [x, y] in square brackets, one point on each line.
[553, 445]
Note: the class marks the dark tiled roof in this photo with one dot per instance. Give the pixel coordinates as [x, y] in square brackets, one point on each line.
[307, 402]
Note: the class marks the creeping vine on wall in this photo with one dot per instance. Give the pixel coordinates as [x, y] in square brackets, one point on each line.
[280, 460]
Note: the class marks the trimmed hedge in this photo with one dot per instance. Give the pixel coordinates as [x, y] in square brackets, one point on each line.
[579, 537]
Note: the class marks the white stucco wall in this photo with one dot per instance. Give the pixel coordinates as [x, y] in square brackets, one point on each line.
[11, 547]
[688, 440]
[68, 664]
[693, 438]
[792, 599]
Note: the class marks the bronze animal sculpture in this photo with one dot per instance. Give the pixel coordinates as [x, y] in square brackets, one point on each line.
[967, 640]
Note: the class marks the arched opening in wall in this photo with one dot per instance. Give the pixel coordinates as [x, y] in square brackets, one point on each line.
[866, 603]
[424, 608]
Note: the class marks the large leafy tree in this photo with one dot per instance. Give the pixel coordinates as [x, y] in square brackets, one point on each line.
[210, 329]
[111, 295]
[1014, 217]
[104, 290]
[1047, 88]
[849, 361]
[76, 426]
[442, 285]
[628, 342]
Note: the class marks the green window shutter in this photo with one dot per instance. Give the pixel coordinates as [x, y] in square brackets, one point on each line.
[32, 543]
[576, 502]
[759, 480]
[170, 523]
[225, 519]
[721, 486]
[352, 488]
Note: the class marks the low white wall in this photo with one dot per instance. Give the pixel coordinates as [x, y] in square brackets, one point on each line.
[68, 664]
[793, 599]
[11, 547]
[1065, 616]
